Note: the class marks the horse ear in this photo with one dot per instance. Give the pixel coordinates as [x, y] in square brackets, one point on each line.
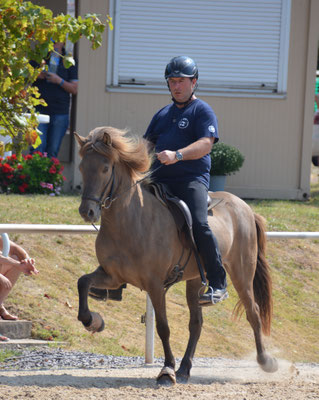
[107, 138]
[80, 139]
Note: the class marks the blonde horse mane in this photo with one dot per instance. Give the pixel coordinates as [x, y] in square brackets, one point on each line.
[118, 147]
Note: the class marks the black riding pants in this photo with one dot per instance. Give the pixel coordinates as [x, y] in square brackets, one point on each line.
[195, 196]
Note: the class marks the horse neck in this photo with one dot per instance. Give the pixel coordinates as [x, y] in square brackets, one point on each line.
[127, 204]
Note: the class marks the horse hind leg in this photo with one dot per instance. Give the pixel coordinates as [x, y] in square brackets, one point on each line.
[195, 327]
[92, 321]
[266, 362]
[253, 315]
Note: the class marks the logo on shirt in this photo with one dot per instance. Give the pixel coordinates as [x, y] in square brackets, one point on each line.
[183, 123]
[211, 129]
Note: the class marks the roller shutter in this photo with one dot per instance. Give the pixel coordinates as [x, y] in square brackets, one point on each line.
[238, 44]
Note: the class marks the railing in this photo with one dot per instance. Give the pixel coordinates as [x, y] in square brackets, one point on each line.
[80, 229]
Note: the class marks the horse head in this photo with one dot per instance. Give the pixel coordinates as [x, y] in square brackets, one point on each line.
[108, 159]
[97, 171]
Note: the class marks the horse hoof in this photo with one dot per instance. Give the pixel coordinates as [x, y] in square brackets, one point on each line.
[97, 323]
[166, 377]
[181, 378]
[269, 365]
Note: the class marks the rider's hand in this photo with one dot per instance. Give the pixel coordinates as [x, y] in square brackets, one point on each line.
[167, 157]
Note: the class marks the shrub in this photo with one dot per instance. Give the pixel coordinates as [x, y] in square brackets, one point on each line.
[35, 173]
[226, 159]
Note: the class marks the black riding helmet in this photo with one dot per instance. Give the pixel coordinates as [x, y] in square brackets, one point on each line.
[181, 67]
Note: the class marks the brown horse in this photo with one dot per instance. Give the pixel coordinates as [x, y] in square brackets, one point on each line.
[138, 243]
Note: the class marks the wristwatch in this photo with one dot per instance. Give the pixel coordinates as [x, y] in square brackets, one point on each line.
[178, 156]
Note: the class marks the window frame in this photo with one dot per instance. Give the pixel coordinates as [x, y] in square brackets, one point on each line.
[114, 85]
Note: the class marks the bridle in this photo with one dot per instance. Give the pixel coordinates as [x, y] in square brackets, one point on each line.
[101, 201]
[110, 198]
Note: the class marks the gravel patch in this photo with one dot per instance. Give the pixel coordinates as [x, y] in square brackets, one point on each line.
[62, 359]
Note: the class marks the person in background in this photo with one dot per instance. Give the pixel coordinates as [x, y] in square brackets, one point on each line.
[182, 134]
[17, 262]
[55, 86]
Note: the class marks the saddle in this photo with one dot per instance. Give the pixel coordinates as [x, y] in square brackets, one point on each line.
[183, 220]
[178, 207]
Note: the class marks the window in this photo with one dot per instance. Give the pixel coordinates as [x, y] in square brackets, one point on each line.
[239, 45]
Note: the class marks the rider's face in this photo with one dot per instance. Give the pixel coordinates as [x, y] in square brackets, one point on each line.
[181, 88]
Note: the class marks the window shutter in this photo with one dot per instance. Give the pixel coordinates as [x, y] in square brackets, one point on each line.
[237, 44]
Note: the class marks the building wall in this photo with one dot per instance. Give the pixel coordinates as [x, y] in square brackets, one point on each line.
[274, 134]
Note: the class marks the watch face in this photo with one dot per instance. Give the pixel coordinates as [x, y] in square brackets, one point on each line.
[179, 156]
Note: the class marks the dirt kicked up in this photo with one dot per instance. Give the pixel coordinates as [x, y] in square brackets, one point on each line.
[219, 379]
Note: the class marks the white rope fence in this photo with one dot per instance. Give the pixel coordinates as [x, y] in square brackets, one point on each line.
[81, 229]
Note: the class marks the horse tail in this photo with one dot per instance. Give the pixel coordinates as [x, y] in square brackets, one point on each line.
[262, 281]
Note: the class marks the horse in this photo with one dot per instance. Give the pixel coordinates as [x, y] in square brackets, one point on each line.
[138, 243]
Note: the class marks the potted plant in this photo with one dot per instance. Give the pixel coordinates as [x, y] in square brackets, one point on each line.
[226, 160]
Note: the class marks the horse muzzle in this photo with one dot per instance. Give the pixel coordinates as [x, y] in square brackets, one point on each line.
[89, 211]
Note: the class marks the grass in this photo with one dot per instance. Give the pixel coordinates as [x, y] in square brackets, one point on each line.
[50, 299]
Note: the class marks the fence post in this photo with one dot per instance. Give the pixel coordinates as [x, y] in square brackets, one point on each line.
[149, 322]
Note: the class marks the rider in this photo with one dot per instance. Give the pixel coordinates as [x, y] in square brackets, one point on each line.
[183, 134]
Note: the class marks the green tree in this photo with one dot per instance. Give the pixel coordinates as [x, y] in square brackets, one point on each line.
[26, 33]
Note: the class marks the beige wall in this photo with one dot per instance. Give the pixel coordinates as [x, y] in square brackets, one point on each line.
[274, 134]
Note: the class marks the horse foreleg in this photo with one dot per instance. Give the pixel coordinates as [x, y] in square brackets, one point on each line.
[92, 321]
[167, 374]
[195, 327]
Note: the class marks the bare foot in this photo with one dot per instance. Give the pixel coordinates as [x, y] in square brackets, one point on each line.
[4, 314]
[4, 338]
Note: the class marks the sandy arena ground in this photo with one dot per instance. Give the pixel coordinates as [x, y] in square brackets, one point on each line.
[220, 379]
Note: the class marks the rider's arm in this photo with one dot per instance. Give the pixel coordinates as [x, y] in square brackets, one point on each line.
[194, 151]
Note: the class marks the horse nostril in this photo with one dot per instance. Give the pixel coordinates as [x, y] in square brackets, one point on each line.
[91, 213]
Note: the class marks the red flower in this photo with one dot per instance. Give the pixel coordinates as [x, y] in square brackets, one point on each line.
[19, 166]
[28, 157]
[10, 176]
[23, 176]
[52, 170]
[23, 187]
[7, 168]
[55, 161]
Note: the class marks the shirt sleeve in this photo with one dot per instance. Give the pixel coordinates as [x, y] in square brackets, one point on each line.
[207, 123]
[150, 133]
[73, 73]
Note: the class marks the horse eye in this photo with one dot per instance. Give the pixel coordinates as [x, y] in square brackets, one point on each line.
[105, 169]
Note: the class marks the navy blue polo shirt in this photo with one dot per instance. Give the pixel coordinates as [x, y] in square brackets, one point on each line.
[174, 128]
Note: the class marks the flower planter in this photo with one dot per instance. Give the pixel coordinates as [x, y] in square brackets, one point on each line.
[217, 183]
